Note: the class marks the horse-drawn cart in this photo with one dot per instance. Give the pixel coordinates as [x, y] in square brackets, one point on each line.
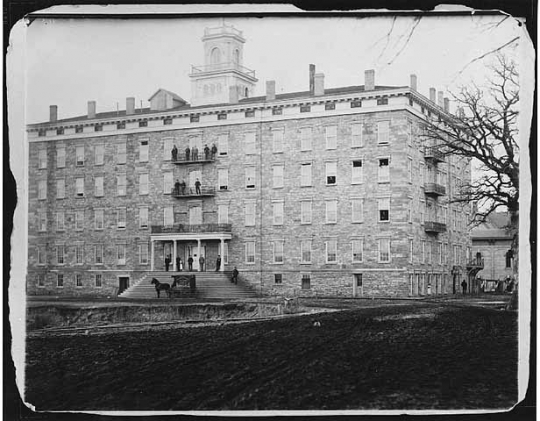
[183, 286]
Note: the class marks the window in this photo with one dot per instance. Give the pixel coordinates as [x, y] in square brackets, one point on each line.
[79, 187]
[98, 254]
[41, 256]
[306, 281]
[42, 132]
[42, 189]
[79, 253]
[167, 121]
[383, 132]
[305, 139]
[42, 220]
[222, 116]
[278, 278]
[424, 252]
[305, 108]
[422, 174]
[60, 188]
[79, 219]
[384, 170]
[384, 250]
[249, 143]
[98, 186]
[356, 135]
[250, 252]
[60, 250]
[384, 209]
[167, 148]
[357, 251]
[60, 156]
[421, 210]
[429, 250]
[277, 176]
[223, 144]
[331, 251]
[195, 215]
[277, 251]
[143, 151]
[223, 214]
[277, 213]
[193, 118]
[249, 211]
[98, 280]
[382, 101]
[121, 254]
[409, 133]
[168, 216]
[277, 111]
[121, 218]
[79, 153]
[330, 106]
[98, 218]
[223, 179]
[305, 211]
[331, 173]
[121, 153]
[410, 169]
[357, 172]
[277, 141]
[250, 177]
[411, 251]
[41, 280]
[60, 280]
[305, 250]
[305, 175]
[508, 258]
[98, 128]
[167, 182]
[143, 124]
[143, 217]
[60, 131]
[121, 184]
[356, 103]
[331, 137]
[331, 211]
[60, 221]
[42, 159]
[78, 129]
[409, 209]
[249, 113]
[143, 254]
[143, 183]
[440, 253]
[357, 210]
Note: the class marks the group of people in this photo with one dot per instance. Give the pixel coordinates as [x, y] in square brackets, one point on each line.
[180, 187]
[193, 153]
[180, 264]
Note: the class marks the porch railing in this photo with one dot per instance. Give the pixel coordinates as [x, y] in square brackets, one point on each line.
[190, 228]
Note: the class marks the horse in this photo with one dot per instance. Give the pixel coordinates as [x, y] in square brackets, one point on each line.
[160, 287]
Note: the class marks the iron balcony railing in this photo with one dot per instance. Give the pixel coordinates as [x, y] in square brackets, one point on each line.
[200, 158]
[434, 189]
[230, 65]
[434, 227]
[190, 228]
[475, 264]
[191, 191]
[434, 153]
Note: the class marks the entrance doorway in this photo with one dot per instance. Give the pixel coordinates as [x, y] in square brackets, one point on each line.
[191, 250]
[123, 284]
[358, 285]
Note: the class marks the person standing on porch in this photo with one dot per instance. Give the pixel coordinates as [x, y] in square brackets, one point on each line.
[201, 263]
[234, 278]
[167, 262]
[218, 262]
[190, 263]
[178, 264]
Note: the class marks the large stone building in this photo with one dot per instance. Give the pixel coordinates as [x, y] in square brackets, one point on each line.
[322, 192]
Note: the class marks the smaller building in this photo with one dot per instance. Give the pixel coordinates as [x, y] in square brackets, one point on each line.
[492, 244]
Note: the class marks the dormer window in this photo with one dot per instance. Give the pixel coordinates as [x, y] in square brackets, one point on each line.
[222, 116]
[194, 119]
[305, 108]
[143, 123]
[42, 132]
[78, 129]
[98, 128]
[356, 103]
[330, 106]
[121, 125]
[382, 101]
[167, 121]
[60, 130]
[250, 113]
[277, 111]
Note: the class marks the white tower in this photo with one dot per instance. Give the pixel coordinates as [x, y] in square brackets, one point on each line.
[222, 78]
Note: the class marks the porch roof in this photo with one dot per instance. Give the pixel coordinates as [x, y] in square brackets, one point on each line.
[191, 236]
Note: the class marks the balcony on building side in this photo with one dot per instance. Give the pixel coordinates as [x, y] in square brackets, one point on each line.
[477, 264]
[218, 67]
[192, 191]
[434, 154]
[433, 227]
[182, 158]
[434, 189]
[190, 228]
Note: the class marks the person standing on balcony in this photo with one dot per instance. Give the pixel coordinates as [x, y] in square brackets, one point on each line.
[201, 263]
[183, 187]
[206, 152]
[194, 153]
[198, 186]
[218, 262]
[214, 150]
[177, 187]
[190, 263]
[174, 153]
[188, 152]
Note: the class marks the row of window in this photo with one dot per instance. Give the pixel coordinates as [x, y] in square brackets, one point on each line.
[97, 280]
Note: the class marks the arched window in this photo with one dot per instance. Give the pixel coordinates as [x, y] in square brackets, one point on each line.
[236, 56]
[509, 256]
[215, 56]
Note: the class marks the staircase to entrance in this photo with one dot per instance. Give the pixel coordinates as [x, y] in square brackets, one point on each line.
[209, 285]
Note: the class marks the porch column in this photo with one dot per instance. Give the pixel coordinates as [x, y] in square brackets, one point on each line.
[222, 254]
[199, 252]
[152, 255]
[174, 255]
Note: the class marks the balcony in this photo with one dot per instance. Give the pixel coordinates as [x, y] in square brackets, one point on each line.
[434, 227]
[434, 189]
[475, 264]
[200, 159]
[190, 229]
[219, 67]
[434, 154]
[190, 192]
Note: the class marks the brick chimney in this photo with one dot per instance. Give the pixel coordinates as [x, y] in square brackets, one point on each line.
[319, 84]
[414, 83]
[369, 80]
[311, 79]
[440, 101]
[446, 105]
[233, 94]
[270, 90]
[130, 106]
[53, 113]
[432, 95]
[91, 109]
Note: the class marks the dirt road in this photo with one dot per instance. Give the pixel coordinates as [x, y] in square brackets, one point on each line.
[403, 357]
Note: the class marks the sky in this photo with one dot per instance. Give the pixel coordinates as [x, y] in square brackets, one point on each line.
[72, 61]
